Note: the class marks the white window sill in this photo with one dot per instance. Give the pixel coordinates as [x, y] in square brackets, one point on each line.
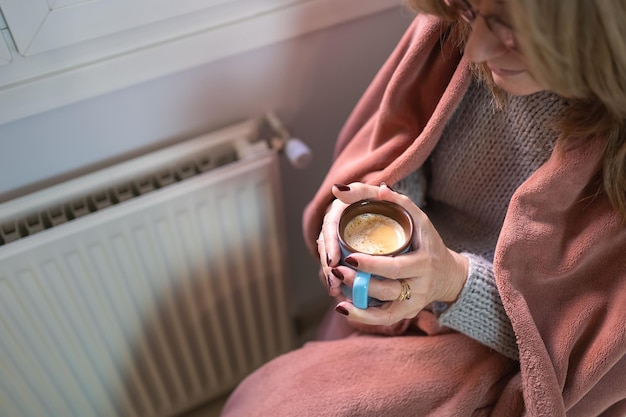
[44, 81]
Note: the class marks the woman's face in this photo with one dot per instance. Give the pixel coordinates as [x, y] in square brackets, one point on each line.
[488, 45]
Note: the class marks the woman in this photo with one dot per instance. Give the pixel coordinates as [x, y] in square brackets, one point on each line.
[514, 112]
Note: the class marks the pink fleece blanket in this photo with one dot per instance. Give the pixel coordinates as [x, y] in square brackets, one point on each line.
[560, 266]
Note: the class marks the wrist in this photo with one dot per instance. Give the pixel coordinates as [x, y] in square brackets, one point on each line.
[457, 277]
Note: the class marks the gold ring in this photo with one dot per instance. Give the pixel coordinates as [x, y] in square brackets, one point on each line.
[405, 293]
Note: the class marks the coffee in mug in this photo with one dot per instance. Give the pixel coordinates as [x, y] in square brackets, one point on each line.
[375, 227]
[375, 234]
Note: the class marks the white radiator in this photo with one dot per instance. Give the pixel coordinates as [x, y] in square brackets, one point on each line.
[146, 288]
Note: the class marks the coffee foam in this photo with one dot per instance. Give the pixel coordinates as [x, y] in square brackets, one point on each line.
[374, 234]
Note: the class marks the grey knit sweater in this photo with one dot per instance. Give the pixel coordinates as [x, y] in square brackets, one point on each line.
[482, 157]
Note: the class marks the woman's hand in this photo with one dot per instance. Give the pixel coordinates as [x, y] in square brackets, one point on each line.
[433, 272]
[328, 242]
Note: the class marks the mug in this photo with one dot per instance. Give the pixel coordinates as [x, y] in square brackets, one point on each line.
[375, 227]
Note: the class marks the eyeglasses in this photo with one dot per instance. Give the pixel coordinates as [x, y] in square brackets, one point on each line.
[501, 30]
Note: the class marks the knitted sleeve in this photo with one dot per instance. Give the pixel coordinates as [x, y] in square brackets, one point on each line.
[478, 312]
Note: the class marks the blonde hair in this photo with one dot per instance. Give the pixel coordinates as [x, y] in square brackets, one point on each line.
[578, 49]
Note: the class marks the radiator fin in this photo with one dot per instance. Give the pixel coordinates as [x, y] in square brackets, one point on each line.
[150, 307]
[26, 224]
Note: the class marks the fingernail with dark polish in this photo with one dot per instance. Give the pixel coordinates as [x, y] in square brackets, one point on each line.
[352, 262]
[341, 310]
[342, 187]
[327, 260]
[337, 273]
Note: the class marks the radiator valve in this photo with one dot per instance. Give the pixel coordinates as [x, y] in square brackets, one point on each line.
[297, 152]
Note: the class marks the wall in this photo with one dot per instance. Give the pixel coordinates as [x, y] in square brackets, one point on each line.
[312, 83]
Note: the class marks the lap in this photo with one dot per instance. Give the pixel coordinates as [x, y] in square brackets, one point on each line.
[368, 375]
